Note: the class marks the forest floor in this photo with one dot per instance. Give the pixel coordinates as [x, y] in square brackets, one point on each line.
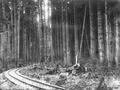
[5, 84]
[73, 80]
[67, 77]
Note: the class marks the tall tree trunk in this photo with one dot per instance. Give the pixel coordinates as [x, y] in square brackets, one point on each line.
[76, 36]
[100, 34]
[3, 49]
[3, 35]
[83, 31]
[67, 38]
[92, 32]
[47, 33]
[117, 41]
[40, 27]
[57, 34]
[18, 31]
[51, 31]
[60, 43]
[42, 35]
[8, 44]
[12, 32]
[107, 35]
[15, 33]
[63, 35]
[111, 49]
[45, 30]
[24, 45]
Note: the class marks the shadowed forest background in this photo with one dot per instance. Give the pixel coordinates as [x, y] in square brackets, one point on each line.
[59, 31]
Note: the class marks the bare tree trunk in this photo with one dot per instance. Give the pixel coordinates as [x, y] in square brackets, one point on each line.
[9, 45]
[42, 36]
[61, 43]
[76, 36]
[24, 45]
[67, 39]
[45, 31]
[57, 38]
[40, 27]
[92, 32]
[83, 31]
[100, 35]
[3, 48]
[107, 35]
[51, 31]
[12, 32]
[111, 49]
[48, 32]
[61, 35]
[64, 35]
[18, 31]
[15, 33]
[3, 36]
[117, 45]
[45, 41]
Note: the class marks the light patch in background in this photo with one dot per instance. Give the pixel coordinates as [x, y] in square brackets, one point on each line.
[35, 0]
[38, 18]
[47, 11]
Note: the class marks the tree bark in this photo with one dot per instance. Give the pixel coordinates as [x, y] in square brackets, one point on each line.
[15, 33]
[18, 32]
[117, 41]
[4, 36]
[64, 35]
[8, 44]
[107, 35]
[24, 45]
[57, 37]
[42, 37]
[40, 28]
[111, 45]
[67, 38]
[92, 32]
[12, 33]
[100, 35]
[76, 36]
[3, 39]
[82, 36]
[51, 32]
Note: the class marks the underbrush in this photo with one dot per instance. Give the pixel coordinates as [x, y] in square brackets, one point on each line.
[91, 77]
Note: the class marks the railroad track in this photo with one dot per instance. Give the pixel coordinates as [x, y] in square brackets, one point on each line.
[42, 84]
[3, 82]
[15, 80]
[33, 84]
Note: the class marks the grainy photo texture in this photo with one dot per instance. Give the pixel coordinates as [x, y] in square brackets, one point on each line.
[59, 44]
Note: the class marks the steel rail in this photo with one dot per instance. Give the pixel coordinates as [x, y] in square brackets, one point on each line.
[26, 84]
[38, 81]
[38, 85]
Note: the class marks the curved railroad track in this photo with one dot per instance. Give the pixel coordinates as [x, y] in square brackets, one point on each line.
[33, 84]
[17, 81]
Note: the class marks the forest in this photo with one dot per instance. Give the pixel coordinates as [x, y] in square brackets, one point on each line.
[59, 31]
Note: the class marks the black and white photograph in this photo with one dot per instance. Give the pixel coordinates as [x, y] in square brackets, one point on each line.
[59, 44]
